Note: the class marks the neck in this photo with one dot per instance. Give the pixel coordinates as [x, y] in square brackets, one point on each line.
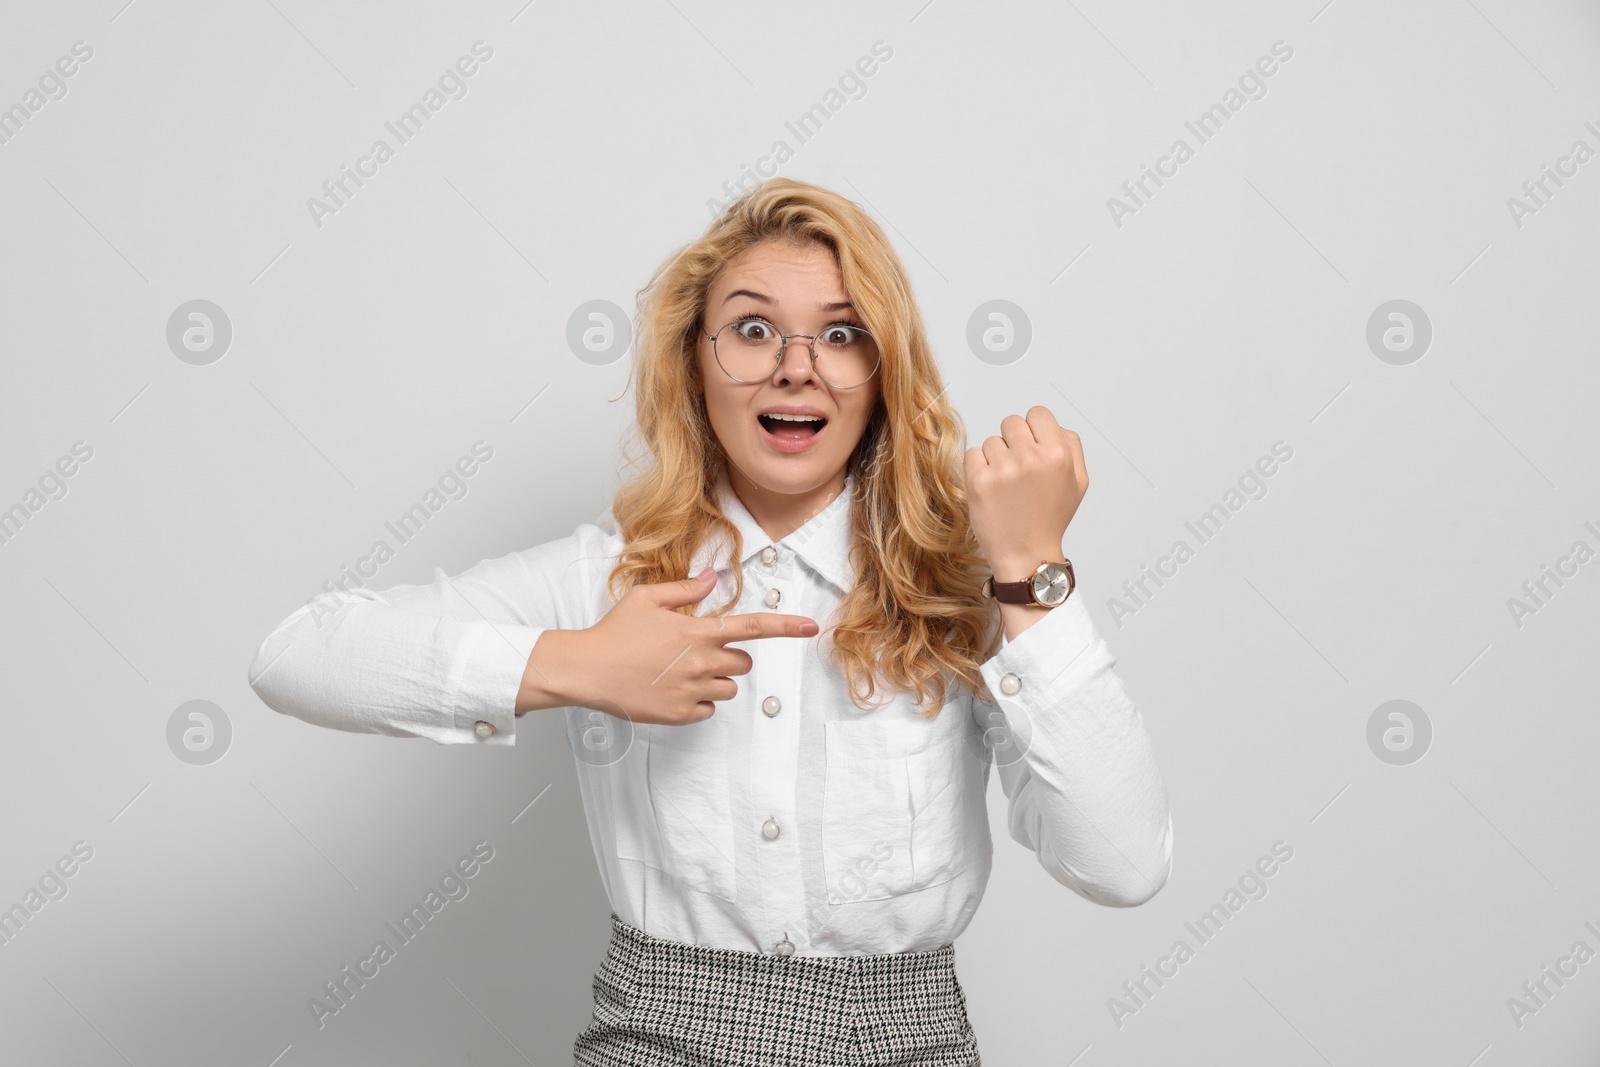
[781, 514]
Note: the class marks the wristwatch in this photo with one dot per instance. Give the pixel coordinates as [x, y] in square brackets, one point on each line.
[1048, 586]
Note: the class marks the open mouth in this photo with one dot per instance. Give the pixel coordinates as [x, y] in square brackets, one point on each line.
[791, 427]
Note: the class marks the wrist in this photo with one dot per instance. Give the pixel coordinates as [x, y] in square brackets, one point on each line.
[554, 675]
[1018, 568]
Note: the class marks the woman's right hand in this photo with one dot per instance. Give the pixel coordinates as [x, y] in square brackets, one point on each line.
[648, 664]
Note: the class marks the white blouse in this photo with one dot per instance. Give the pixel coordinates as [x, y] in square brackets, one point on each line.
[790, 820]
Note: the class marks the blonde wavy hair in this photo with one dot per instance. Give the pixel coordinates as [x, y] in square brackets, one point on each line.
[915, 616]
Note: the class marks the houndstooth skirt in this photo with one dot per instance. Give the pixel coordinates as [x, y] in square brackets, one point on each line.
[663, 1003]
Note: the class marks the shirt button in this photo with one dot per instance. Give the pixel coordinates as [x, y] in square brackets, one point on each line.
[785, 947]
[769, 555]
[771, 706]
[773, 596]
[483, 729]
[769, 829]
[1010, 684]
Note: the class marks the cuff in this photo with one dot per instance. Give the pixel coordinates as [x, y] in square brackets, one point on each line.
[1044, 651]
[485, 677]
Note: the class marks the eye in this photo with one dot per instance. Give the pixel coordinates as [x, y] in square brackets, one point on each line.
[755, 330]
[843, 334]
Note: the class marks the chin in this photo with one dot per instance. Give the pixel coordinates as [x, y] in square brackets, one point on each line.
[789, 474]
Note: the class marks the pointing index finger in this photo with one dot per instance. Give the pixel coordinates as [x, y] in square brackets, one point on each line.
[757, 624]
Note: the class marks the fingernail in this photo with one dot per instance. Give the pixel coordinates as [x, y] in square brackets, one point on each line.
[705, 574]
[808, 628]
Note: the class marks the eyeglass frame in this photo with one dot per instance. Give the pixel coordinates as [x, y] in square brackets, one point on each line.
[783, 350]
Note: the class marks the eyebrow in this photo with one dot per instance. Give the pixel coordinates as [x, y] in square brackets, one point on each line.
[752, 294]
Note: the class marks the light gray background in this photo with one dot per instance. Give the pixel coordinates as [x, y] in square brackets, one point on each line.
[1228, 313]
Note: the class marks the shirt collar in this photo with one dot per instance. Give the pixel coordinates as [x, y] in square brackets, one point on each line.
[822, 542]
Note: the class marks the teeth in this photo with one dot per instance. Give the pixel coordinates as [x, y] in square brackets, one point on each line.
[791, 418]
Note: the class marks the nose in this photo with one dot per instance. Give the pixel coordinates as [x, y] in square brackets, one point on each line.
[795, 363]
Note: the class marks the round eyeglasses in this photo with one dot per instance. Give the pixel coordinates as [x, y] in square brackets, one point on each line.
[750, 349]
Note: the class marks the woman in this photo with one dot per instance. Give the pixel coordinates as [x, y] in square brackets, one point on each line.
[788, 861]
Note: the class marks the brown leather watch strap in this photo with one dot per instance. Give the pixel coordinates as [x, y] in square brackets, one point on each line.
[1022, 592]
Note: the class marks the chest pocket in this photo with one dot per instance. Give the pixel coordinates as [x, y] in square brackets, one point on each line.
[686, 830]
[901, 806]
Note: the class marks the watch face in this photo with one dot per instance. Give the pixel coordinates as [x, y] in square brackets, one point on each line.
[1051, 584]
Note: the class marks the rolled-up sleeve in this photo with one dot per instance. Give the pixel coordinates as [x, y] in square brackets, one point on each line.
[442, 660]
[1079, 771]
